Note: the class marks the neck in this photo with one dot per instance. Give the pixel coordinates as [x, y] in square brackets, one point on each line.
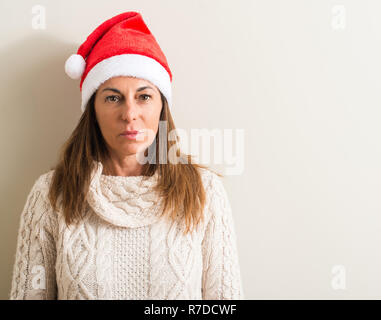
[122, 168]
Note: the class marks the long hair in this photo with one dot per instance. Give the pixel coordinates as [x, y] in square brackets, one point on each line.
[180, 184]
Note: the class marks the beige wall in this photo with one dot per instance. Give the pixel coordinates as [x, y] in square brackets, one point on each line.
[301, 78]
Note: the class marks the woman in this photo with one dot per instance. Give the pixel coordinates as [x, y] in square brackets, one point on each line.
[113, 220]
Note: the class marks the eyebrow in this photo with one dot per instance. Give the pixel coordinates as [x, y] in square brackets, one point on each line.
[117, 91]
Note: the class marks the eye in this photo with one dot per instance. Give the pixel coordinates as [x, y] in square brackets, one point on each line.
[145, 95]
[112, 97]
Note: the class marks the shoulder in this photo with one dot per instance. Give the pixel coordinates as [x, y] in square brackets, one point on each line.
[37, 199]
[42, 183]
[37, 211]
[209, 177]
[217, 200]
[212, 182]
[45, 178]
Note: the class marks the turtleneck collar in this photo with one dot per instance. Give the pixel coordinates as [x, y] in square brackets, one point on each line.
[124, 201]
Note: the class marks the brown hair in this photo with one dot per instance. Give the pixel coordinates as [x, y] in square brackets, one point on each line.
[180, 184]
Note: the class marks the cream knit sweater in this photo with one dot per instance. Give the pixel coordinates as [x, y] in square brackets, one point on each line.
[122, 249]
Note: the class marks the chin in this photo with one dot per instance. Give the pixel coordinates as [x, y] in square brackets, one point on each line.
[134, 148]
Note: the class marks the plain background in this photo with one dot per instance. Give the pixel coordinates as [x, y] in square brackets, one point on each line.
[301, 77]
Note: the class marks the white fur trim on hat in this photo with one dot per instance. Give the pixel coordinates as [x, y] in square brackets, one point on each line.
[135, 65]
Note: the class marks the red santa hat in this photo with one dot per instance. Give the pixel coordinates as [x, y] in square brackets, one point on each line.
[120, 46]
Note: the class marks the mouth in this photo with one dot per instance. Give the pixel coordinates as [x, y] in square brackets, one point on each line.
[131, 134]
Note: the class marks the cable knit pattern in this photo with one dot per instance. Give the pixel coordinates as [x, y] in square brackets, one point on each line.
[123, 248]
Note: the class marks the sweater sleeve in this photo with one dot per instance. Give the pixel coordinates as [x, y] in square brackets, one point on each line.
[33, 276]
[221, 279]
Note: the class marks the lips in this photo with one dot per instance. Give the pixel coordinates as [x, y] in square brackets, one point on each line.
[130, 132]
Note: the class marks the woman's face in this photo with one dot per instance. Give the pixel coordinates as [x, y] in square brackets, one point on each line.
[125, 104]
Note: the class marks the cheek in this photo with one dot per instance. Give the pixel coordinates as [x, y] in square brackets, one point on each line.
[150, 112]
[152, 122]
[106, 124]
[104, 121]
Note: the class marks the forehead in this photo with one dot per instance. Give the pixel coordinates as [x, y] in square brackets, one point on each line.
[122, 82]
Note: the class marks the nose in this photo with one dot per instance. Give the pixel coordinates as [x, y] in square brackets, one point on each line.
[129, 109]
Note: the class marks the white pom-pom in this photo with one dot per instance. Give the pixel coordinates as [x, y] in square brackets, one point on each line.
[75, 66]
